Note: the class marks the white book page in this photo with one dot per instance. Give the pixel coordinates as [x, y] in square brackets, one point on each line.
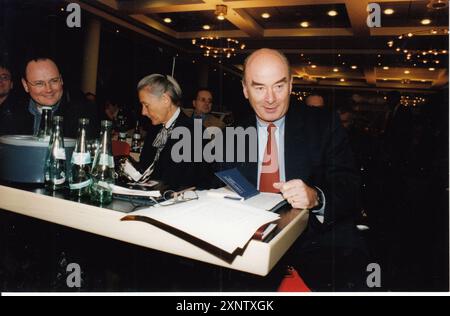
[223, 223]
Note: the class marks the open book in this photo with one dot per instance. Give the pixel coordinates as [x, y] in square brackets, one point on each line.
[223, 223]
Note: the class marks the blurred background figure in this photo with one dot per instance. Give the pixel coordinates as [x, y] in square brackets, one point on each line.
[9, 106]
[202, 106]
[315, 100]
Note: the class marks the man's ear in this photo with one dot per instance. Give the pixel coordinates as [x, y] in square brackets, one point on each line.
[25, 86]
[244, 89]
[193, 104]
[290, 84]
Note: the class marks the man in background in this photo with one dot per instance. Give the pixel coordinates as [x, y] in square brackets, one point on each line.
[202, 105]
[11, 114]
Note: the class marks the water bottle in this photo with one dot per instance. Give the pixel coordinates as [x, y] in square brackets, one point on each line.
[80, 179]
[55, 163]
[122, 126]
[45, 127]
[102, 173]
[136, 140]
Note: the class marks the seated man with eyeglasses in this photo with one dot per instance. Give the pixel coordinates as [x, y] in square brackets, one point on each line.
[44, 83]
[9, 105]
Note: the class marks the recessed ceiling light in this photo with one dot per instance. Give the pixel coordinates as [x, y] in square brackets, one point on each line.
[431, 69]
[304, 24]
[167, 20]
[389, 11]
[221, 17]
[406, 72]
[422, 80]
[354, 66]
[332, 13]
[206, 27]
[335, 69]
[313, 66]
[385, 68]
[265, 15]
[342, 80]
[425, 21]
[384, 79]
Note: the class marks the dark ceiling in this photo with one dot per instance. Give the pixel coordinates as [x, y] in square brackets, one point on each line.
[316, 49]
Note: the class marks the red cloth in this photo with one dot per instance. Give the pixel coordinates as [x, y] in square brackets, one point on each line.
[270, 171]
[120, 148]
[292, 282]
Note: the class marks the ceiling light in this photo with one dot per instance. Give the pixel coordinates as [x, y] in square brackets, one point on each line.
[313, 66]
[335, 69]
[342, 80]
[437, 4]
[389, 11]
[431, 69]
[385, 68]
[304, 24]
[406, 72]
[206, 27]
[265, 15]
[354, 67]
[167, 20]
[425, 21]
[332, 13]
[221, 11]
[410, 34]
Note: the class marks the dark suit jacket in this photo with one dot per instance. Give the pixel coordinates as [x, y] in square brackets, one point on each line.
[318, 152]
[72, 107]
[176, 175]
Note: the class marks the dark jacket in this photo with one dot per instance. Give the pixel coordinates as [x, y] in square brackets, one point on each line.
[318, 152]
[12, 116]
[72, 107]
[176, 175]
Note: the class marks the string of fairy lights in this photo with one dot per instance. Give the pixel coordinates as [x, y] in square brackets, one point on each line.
[418, 57]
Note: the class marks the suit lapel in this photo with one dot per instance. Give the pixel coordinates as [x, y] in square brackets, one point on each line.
[295, 146]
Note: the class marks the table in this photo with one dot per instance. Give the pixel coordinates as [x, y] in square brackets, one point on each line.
[257, 258]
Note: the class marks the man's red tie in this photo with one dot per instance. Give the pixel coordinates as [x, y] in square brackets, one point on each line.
[270, 171]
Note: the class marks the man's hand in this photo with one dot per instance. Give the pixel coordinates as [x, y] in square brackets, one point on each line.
[298, 194]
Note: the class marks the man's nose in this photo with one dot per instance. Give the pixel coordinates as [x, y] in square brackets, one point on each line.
[270, 96]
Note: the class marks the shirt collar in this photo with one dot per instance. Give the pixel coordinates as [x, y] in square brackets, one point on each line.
[37, 110]
[278, 123]
[173, 118]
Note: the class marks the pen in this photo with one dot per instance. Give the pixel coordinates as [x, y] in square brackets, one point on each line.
[233, 198]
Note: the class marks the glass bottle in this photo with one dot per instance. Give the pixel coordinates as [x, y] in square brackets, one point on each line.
[122, 126]
[102, 173]
[55, 163]
[136, 140]
[45, 127]
[80, 179]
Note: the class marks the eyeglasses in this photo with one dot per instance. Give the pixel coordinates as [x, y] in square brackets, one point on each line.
[54, 83]
[5, 78]
[168, 198]
[171, 197]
